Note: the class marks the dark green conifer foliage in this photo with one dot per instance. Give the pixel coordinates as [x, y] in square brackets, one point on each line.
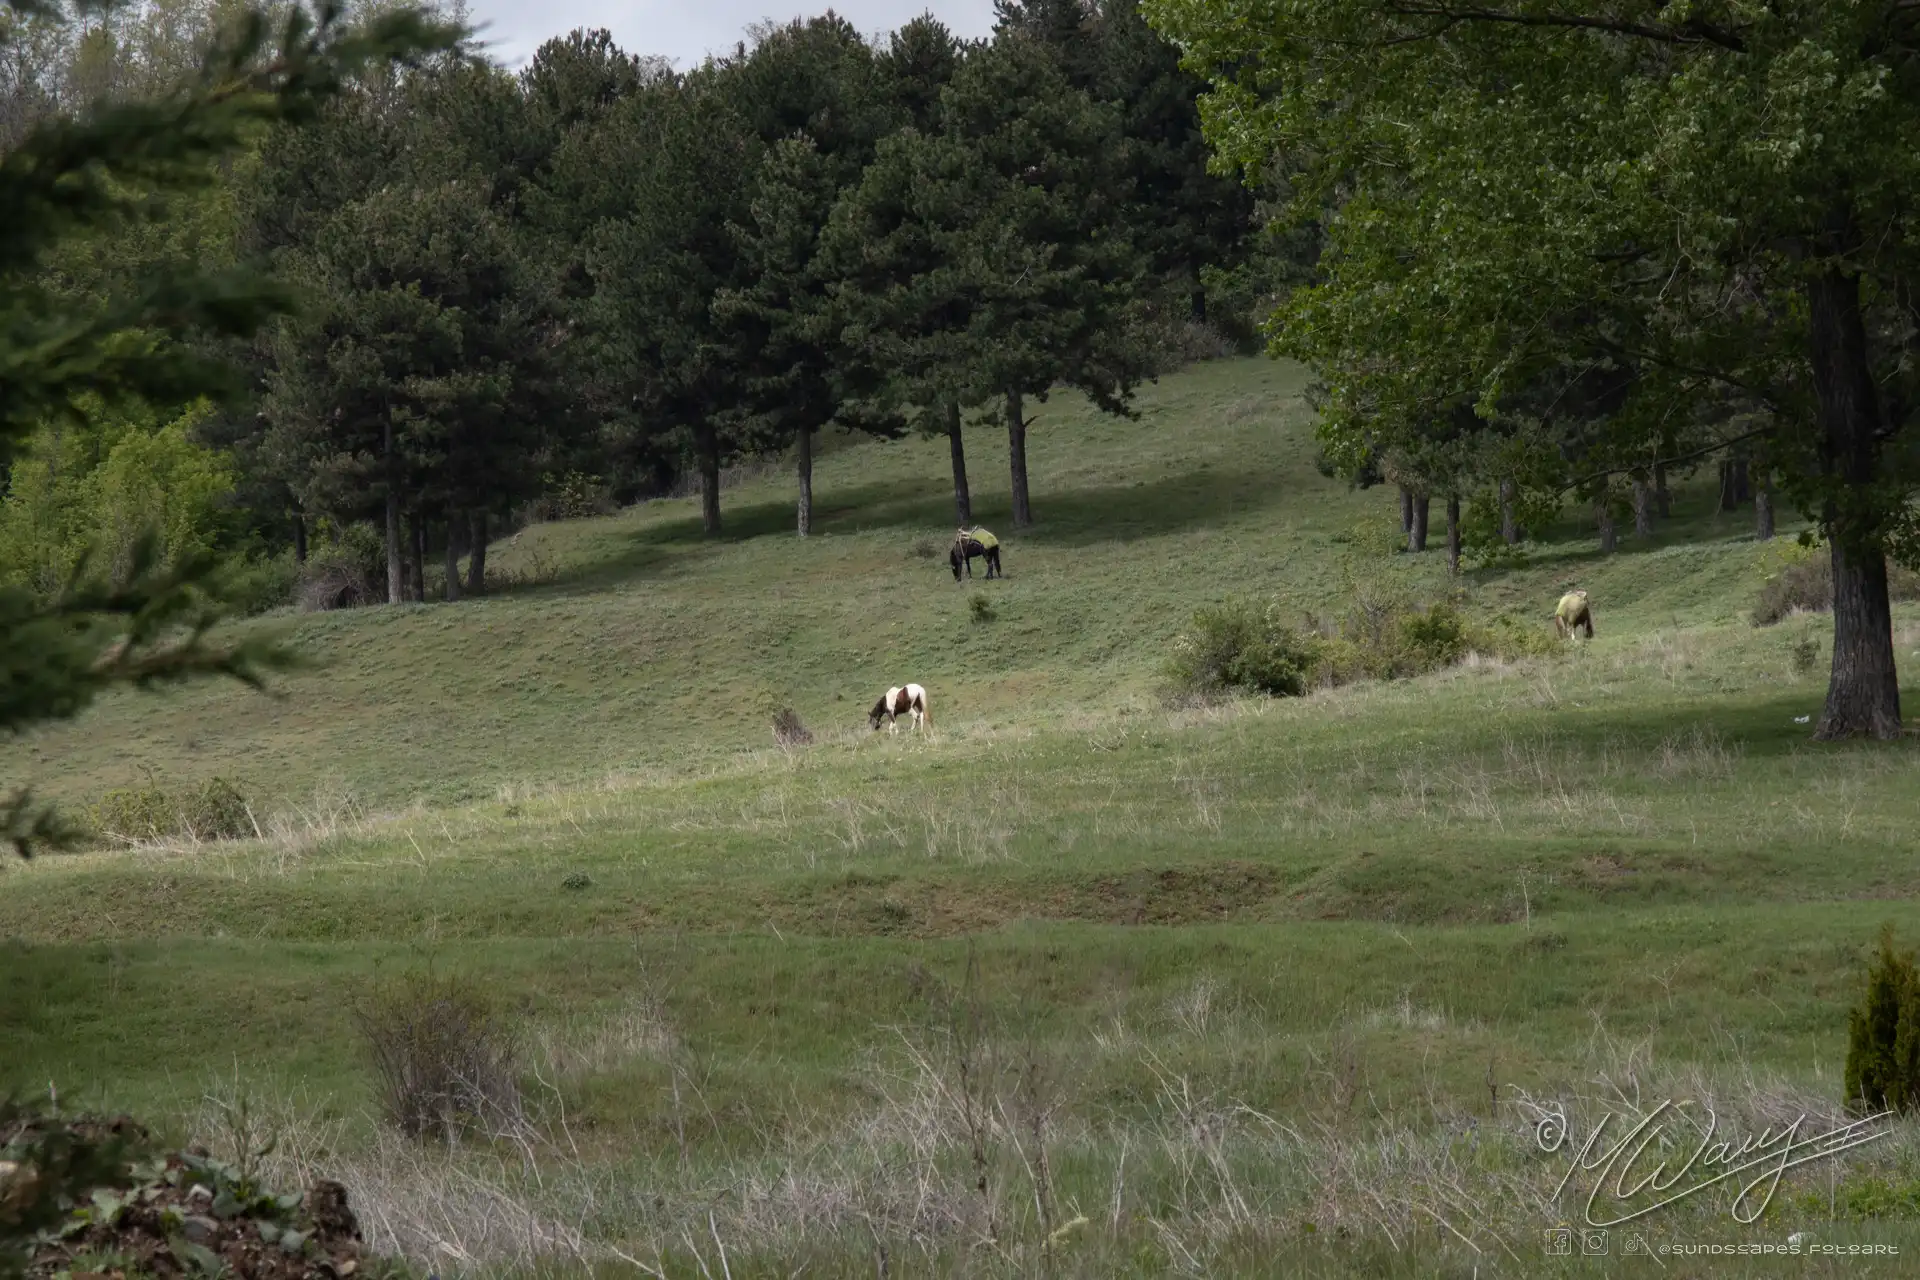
[1883, 1035]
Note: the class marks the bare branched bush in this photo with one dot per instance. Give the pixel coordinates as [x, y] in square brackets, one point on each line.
[444, 1058]
[788, 731]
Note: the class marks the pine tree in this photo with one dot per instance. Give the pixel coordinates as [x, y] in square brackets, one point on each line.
[812, 95]
[1044, 249]
[668, 170]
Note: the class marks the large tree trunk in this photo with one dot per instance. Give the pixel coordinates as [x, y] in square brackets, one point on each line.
[1417, 539]
[1642, 509]
[1863, 692]
[299, 538]
[416, 563]
[1509, 519]
[1017, 458]
[1603, 515]
[962, 500]
[1453, 533]
[1763, 511]
[1662, 499]
[805, 444]
[477, 553]
[453, 560]
[707, 441]
[1406, 513]
[396, 569]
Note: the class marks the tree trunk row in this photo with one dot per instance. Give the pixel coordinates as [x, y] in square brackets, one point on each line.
[406, 558]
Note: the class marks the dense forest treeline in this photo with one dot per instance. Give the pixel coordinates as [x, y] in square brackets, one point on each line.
[599, 278]
[1532, 255]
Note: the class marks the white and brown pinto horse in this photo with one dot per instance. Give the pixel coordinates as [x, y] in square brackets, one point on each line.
[906, 700]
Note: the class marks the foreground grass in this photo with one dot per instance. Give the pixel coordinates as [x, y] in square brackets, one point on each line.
[1272, 986]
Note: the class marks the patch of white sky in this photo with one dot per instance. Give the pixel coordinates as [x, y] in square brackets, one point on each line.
[684, 33]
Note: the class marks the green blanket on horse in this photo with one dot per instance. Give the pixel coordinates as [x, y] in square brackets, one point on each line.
[982, 537]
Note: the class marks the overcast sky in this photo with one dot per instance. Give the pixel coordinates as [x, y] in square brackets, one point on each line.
[686, 30]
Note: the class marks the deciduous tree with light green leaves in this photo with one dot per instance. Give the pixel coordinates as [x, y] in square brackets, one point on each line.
[1718, 194]
[71, 357]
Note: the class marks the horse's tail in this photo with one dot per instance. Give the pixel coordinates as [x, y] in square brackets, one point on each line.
[926, 716]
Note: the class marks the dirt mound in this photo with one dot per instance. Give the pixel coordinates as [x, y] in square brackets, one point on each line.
[185, 1215]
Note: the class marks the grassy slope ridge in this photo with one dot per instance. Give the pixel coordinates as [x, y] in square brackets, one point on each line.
[1352, 910]
[652, 645]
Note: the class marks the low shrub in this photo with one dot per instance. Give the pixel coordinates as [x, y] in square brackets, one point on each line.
[257, 584]
[444, 1058]
[133, 814]
[1804, 656]
[981, 609]
[1805, 585]
[345, 569]
[214, 810]
[1239, 647]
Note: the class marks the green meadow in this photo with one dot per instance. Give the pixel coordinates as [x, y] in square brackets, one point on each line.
[1075, 984]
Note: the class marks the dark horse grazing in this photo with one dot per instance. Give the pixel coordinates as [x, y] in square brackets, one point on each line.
[977, 542]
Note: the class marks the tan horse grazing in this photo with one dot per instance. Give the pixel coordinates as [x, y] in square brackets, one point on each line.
[900, 701]
[1572, 614]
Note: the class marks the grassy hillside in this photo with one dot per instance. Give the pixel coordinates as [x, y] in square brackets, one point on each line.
[1279, 984]
[649, 645]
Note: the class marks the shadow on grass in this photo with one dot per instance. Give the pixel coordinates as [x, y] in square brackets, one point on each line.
[1076, 518]
[1759, 727]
